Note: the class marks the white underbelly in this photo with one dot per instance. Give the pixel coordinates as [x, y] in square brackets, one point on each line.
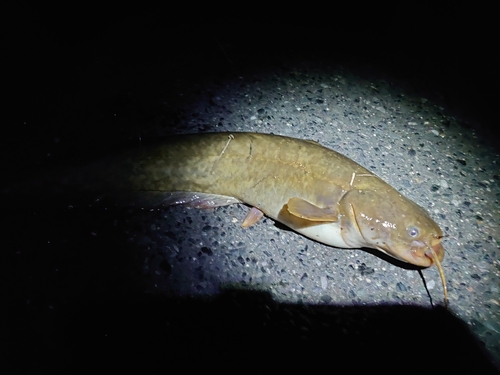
[328, 233]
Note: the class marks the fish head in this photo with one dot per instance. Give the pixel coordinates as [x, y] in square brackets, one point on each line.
[389, 222]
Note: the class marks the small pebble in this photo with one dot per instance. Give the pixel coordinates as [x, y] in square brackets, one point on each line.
[324, 282]
[431, 284]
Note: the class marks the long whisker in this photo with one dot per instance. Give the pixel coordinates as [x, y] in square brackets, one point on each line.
[441, 274]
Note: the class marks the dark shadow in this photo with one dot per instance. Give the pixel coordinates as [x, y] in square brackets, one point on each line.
[76, 304]
[242, 329]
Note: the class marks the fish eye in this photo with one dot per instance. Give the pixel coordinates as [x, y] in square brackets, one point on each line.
[413, 232]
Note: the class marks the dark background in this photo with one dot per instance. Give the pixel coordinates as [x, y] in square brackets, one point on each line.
[65, 63]
[70, 68]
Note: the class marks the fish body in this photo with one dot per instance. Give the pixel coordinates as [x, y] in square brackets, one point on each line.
[300, 183]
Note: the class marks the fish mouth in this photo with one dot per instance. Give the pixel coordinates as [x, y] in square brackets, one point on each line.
[425, 255]
[438, 250]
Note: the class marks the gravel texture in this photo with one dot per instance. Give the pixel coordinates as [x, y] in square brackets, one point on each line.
[88, 280]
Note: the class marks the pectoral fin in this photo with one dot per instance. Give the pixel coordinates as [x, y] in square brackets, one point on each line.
[252, 217]
[308, 211]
